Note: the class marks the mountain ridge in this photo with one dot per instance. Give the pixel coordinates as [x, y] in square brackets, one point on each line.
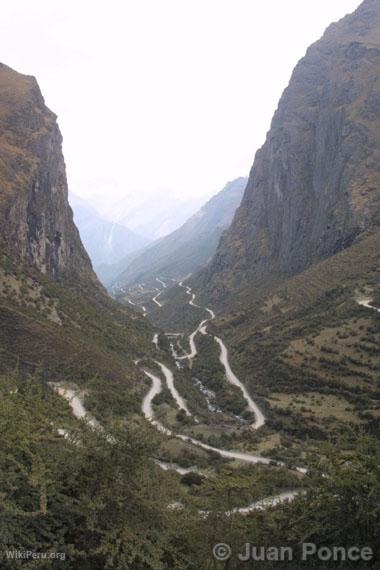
[55, 316]
[37, 223]
[107, 243]
[312, 190]
[188, 248]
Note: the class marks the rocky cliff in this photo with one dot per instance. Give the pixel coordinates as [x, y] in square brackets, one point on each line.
[36, 220]
[54, 314]
[314, 185]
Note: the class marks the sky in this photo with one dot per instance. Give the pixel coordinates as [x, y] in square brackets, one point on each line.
[159, 97]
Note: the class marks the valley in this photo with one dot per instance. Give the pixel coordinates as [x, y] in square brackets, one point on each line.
[152, 408]
[221, 384]
[316, 407]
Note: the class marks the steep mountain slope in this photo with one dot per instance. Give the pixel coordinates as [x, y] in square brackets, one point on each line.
[308, 348]
[304, 246]
[314, 186]
[36, 222]
[191, 246]
[54, 314]
[106, 242]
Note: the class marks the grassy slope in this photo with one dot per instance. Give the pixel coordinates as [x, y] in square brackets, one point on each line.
[308, 352]
[72, 332]
[307, 349]
[64, 324]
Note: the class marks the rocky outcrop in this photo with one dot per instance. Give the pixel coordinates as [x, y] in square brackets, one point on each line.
[55, 317]
[314, 187]
[36, 220]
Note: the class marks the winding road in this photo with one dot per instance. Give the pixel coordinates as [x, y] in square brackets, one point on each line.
[147, 409]
[155, 298]
[169, 377]
[156, 388]
[193, 349]
[223, 358]
[81, 413]
[75, 400]
[366, 302]
[267, 502]
[232, 379]
[136, 305]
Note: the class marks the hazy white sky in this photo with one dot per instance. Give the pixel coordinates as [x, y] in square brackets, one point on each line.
[161, 94]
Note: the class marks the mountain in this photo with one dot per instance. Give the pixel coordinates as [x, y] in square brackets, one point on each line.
[192, 245]
[152, 214]
[106, 242]
[54, 314]
[314, 186]
[123, 491]
[290, 274]
[36, 222]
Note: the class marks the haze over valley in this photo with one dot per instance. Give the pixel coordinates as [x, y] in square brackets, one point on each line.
[190, 358]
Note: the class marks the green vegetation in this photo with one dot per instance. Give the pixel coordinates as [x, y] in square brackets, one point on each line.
[99, 499]
[177, 315]
[211, 373]
[81, 495]
[307, 351]
[91, 341]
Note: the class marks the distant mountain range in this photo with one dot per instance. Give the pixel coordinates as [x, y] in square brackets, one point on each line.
[106, 242]
[190, 247]
[151, 214]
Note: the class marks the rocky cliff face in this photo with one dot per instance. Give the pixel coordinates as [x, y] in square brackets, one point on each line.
[57, 319]
[36, 220]
[314, 187]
